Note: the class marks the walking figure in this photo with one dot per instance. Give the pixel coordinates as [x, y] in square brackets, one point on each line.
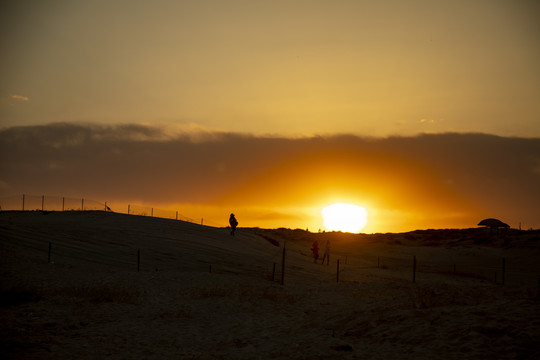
[234, 223]
[326, 254]
[315, 250]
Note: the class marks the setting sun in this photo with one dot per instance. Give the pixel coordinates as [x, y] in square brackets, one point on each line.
[344, 217]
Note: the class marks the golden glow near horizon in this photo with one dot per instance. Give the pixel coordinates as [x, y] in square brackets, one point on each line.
[272, 109]
[344, 217]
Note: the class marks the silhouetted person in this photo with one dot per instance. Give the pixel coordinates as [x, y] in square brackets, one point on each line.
[315, 250]
[326, 254]
[234, 223]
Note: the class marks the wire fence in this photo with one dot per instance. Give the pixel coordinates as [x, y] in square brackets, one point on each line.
[49, 203]
[27, 202]
[287, 267]
[507, 270]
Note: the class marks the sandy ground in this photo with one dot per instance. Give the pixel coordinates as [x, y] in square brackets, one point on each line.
[203, 294]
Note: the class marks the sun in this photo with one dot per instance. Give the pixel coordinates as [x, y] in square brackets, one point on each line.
[344, 217]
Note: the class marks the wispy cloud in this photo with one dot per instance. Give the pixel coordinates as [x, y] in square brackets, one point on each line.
[13, 99]
[19, 98]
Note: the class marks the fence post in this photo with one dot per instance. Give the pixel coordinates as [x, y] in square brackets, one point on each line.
[22, 202]
[414, 268]
[337, 273]
[283, 266]
[503, 270]
[201, 221]
[82, 204]
[63, 202]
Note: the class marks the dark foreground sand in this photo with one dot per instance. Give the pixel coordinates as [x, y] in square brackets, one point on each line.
[202, 294]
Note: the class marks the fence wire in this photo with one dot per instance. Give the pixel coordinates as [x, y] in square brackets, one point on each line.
[28, 202]
[508, 270]
[504, 270]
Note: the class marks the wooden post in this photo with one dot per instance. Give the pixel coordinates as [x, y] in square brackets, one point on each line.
[138, 260]
[503, 270]
[22, 202]
[283, 266]
[63, 203]
[49, 258]
[414, 269]
[42, 202]
[337, 273]
[201, 221]
[274, 271]
[82, 204]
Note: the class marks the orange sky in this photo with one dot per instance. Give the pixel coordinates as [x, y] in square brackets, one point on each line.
[274, 109]
[388, 185]
[405, 183]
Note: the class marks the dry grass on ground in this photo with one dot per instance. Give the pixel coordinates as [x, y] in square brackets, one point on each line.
[92, 303]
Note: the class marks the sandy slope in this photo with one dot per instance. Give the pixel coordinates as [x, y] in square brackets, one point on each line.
[202, 294]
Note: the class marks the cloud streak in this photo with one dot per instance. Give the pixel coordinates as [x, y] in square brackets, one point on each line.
[14, 99]
[19, 98]
[435, 180]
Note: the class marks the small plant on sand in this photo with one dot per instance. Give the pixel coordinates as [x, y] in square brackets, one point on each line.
[424, 297]
[206, 293]
[102, 293]
[276, 295]
[243, 293]
[19, 294]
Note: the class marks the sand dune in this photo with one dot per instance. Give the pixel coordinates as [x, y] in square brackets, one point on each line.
[199, 293]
